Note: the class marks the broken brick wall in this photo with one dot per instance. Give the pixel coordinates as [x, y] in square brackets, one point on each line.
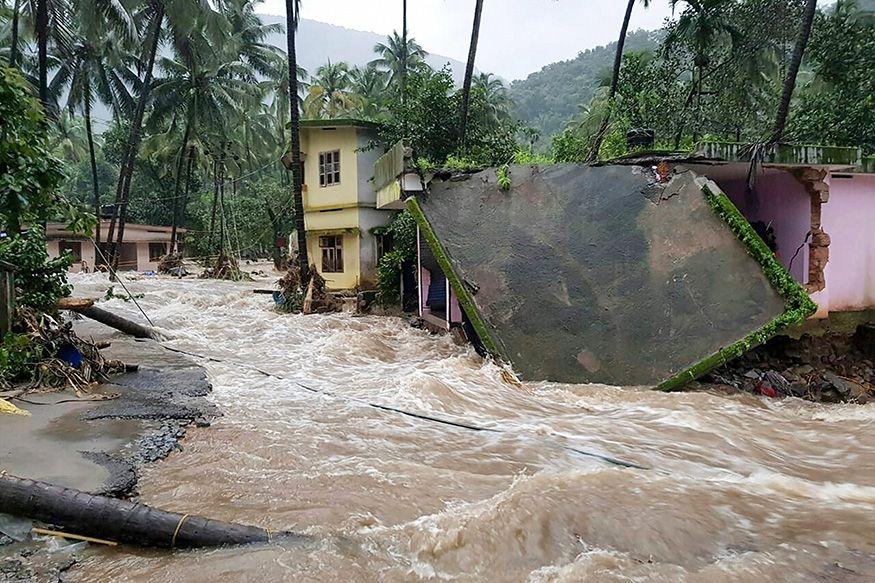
[848, 217]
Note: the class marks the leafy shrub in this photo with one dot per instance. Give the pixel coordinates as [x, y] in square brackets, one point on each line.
[402, 229]
[18, 354]
[40, 282]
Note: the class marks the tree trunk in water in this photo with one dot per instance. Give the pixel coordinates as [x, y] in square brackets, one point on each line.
[117, 322]
[133, 145]
[42, 39]
[120, 520]
[215, 203]
[793, 71]
[297, 179]
[174, 246]
[94, 183]
[13, 50]
[277, 258]
[615, 82]
[469, 72]
[179, 166]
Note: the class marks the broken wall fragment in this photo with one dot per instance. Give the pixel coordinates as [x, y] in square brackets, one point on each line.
[608, 274]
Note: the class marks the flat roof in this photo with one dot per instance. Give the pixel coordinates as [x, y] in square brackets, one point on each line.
[339, 122]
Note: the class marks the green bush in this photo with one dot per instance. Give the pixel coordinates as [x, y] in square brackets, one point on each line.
[18, 354]
[402, 229]
[40, 282]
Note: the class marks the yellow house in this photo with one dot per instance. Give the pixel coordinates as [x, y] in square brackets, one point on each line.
[340, 210]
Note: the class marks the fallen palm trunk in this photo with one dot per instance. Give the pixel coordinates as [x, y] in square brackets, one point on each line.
[119, 520]
[117, 322]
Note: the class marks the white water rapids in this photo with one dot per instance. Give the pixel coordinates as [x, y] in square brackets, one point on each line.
[738, 488]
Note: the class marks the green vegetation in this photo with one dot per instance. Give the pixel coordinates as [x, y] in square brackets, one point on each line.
[402, 232]
[547, 99]
[716, 72]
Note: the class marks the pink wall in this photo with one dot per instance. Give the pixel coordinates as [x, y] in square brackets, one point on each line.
[455, 310]
[849, 219]
[785, 203]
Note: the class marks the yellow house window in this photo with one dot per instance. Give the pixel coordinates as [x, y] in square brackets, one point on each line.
[329, 168]
[332, 253]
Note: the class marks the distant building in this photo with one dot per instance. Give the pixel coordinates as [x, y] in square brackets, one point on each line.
[340, 202]
[142, 249]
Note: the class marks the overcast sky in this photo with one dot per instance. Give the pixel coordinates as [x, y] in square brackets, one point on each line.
[517, 37]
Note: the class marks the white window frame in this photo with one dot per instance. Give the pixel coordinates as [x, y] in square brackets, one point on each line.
[329, 168]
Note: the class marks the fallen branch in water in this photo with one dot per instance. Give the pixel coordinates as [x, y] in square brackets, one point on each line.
[117, 322]
[121, 521]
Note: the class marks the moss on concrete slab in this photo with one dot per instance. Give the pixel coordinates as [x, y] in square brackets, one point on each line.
[798, 306]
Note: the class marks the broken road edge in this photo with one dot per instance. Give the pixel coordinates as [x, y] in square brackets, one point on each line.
[797, 304]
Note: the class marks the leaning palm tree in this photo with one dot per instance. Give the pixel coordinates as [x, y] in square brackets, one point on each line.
[469, 71]
[793, 71]
[154, 13]
[615, 80]
[398, 55]
[92, 69]
[293, 14]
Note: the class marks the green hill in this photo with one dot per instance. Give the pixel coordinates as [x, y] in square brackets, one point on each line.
[548, 98]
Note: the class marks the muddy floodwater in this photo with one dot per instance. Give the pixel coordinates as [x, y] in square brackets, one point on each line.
[736, 488]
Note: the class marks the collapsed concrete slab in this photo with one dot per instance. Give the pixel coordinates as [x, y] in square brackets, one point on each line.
[606, 274]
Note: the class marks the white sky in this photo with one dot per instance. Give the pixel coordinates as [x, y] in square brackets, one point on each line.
[517, 37]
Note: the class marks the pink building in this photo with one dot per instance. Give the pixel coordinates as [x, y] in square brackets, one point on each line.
[142, 249]
[816, 207]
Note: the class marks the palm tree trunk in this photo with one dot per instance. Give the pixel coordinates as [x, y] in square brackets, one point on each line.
[133, 144]
[179, 166]
[216, 181]
[403, 52]
[793, 71]
[42, 39]
[295, 119]
[94, 183]
[615, 82]
[185, 196]
[469, 71]
[13, 50]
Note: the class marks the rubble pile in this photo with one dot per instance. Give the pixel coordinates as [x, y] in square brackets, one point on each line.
[831, 368]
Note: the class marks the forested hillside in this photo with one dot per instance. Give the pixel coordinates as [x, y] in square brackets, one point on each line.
[546, 100]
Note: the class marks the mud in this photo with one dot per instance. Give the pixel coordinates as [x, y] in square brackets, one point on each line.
[99, 446]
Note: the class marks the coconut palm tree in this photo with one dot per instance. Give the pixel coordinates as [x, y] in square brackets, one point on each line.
[204, 88]
[469, 71]
[498, 102]
[703, 25]
[398, 55]
[94, 68]
[792, 71]
[155, 17]
[369, 84]
[68, 139]
[331, 94]
[293, 13]
[615, 79]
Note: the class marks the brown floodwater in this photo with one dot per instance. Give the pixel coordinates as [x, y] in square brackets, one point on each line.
[736, 488]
